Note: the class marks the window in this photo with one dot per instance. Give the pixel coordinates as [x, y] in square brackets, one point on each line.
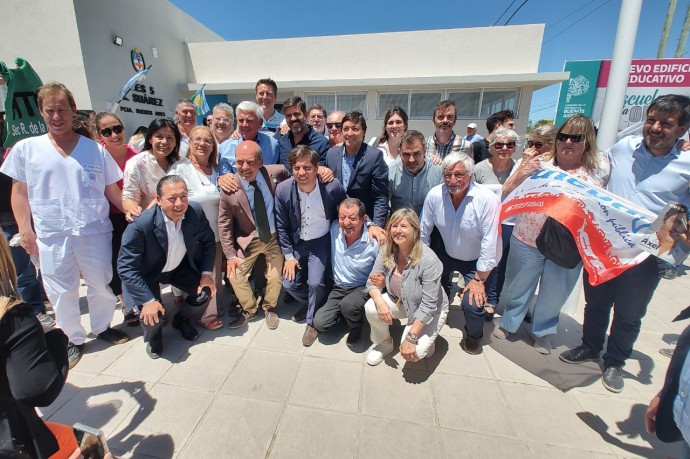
[496, 100]
[422, 104]
[388, 100]
[342, 101]
[467, 102]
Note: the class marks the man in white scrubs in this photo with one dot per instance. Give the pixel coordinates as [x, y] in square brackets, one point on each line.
[64, 181]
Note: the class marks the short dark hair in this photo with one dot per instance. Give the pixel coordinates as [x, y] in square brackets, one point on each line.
[498, 117]
[318, 107]
[673, 103]
[166, 180]
[356, 117]
[410, 136]
[444, 104]
[354, 202]
[295, 101]
[267, 82]
[303, 151]
[158, 124]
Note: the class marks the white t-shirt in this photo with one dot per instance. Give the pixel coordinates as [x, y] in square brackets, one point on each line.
[66, 194]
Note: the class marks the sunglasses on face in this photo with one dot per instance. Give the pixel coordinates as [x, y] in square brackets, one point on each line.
[531, 143]
[117, 129]
[501, 145]
[575, 138]
[336, 125]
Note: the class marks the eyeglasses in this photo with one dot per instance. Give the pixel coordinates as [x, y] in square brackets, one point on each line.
[222, 120]
[202, 140]
[575, 138]
[531, 143]
[117, 129]
[336, 125]
[501, 145]
[458, 176]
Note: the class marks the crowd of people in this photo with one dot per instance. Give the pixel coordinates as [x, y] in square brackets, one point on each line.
[256, 201]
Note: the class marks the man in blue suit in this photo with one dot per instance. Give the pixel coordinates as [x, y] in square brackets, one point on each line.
[304, 210]
[170, 243]
[361, 168]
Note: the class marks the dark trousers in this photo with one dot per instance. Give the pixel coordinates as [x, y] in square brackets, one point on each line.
[345, 301]
[474, 316]
[119, 226]
[495, 288]
[309, 285]
[185, 278]
[28, 283]
[628, 295]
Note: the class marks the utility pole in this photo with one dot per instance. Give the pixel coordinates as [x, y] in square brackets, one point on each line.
[667, 28]
[683, 35]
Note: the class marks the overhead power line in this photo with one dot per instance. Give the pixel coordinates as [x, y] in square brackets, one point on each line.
[569, 15]
[505, 11]
[518, 9]
[579, 20]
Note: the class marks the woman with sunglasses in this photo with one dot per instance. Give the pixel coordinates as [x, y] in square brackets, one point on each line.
[200, 172]
[394, 124]
[575, 152]
[494, 171]
[111, 134]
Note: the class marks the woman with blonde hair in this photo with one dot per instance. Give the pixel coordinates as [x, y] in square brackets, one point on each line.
[410, 272]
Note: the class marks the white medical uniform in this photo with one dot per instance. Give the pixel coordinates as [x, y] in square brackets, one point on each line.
[70, 215]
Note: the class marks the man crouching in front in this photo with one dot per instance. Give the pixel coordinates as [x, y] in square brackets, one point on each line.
[170, 243]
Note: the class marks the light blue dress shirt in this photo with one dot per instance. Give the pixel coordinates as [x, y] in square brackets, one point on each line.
[352, 265]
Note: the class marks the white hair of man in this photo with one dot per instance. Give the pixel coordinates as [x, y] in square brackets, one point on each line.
[453, 159]
[252, 107]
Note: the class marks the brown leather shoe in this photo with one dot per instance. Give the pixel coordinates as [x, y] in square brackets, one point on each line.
[271, 318]
[471, 345]
[310, 334]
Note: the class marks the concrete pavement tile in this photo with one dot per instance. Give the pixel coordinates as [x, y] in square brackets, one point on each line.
[645, 376]
[135, 364]
[103, 403]
[75, 381]
[545, 414]
[458, 362]
[471, 404]
[98, 354]
[262, 374]
[327, 384]
[233, 337]
[207, 367]
[621, 424]
[234, 427]
[286, 338]
[332, 345]
[419, 441]
[505, 370]
[164, 422]
[541, 451]
[305, 433]
[459, 444]
[383, 389]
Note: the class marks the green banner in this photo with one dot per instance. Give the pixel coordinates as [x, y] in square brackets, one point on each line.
[577, 94]
[22, 118]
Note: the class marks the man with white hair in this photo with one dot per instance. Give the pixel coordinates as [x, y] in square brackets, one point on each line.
[466, 215]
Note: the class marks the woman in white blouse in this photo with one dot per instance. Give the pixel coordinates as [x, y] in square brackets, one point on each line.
[200, 171]
[394, 124]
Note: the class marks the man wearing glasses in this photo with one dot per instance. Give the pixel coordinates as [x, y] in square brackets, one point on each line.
[649, 171]
[466, 216]
[317, 119]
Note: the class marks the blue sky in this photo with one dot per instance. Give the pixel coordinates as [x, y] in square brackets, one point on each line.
[575, 29]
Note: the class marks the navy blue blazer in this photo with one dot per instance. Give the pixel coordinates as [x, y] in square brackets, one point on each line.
[144, 250]
[288, 213]
[666, 428]
[317, 142]
[368, 181]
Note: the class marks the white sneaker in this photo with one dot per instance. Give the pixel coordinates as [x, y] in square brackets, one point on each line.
[430, 352]
[542, 344]
[379, 352]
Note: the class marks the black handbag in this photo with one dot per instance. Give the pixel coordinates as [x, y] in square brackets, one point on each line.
[557, 244]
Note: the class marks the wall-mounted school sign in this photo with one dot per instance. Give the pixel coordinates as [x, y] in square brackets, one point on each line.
[585, 90]
[138, 60]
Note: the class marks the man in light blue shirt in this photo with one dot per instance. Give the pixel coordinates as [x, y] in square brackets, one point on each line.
[352, 256]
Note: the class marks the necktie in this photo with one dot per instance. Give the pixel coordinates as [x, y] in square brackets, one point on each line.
[262, 225]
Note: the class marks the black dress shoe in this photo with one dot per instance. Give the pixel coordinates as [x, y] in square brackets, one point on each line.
[300, 315]
[613, 379]
[186, 329]
[580, 354]
[354, 337]
[154, 348]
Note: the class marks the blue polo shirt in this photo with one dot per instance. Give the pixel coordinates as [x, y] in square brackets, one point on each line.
[352, 265]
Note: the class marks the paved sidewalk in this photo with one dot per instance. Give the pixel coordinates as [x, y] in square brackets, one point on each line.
[255, 393]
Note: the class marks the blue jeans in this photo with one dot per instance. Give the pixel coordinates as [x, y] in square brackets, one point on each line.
[495, 288]
[28, 284]
[526, 267]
